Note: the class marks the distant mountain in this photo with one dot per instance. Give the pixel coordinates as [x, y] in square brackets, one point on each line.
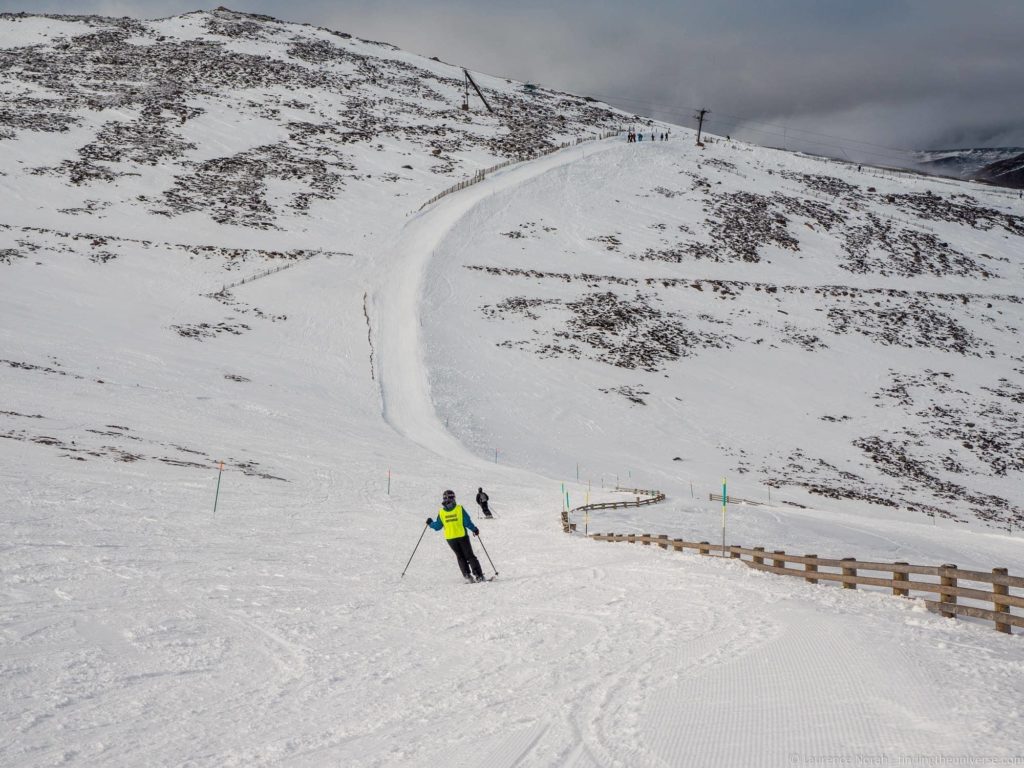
[963, 163]
[1005, 173]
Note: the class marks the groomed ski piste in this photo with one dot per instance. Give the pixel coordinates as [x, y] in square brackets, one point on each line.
[141, 628]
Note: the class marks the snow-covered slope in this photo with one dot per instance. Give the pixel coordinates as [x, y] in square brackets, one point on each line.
[144, 338]
[682, 314]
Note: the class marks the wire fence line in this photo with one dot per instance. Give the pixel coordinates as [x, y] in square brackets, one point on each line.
[480, 175]
[271, 270]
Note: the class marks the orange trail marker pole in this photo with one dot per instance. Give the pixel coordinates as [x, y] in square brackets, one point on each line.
[217, 496]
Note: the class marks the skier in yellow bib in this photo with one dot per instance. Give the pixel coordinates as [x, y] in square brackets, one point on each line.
[455, 521]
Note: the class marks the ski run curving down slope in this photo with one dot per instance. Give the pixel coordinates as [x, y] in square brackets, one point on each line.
[550, 313]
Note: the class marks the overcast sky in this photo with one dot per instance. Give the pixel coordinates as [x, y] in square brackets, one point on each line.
[857, 76]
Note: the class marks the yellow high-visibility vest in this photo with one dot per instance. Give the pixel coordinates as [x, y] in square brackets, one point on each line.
[453, 527]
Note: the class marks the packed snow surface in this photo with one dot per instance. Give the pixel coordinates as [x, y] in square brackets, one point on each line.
[222, 280]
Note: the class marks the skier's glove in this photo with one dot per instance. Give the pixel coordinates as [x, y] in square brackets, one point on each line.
[476, 533]
[430, 521]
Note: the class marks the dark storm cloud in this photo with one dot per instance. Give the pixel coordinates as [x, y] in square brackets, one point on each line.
[897, 73]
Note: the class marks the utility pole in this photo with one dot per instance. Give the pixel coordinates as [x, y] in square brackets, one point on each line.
[700, 123]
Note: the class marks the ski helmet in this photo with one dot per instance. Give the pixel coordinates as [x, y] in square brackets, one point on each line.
[447, 496]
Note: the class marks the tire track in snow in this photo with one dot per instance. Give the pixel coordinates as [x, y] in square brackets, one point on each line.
[403, 380]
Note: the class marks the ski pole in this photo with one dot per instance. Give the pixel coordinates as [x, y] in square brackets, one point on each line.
[414, 550]
[488, 554]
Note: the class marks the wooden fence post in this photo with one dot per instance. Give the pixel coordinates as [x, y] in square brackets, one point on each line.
[758, 559]
[810, 568]
[945, 580]
[704, 549]
[733, 553]
[849, 572]
[631, 538]
[1001, 589]
[779, 562]
[647, 539]
[900, 576]
[677, 545]
[663, 541]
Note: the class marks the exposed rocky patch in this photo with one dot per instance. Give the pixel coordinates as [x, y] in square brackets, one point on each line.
[234, 190]
[884, 247]
[829, 186]
[626, 332]
[927, 205]
[85, 447]
[202, 331]
[631, 392]
[914, 323]
[225, 297]
[745, 222]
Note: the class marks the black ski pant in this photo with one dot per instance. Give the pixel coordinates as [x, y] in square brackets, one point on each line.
[464, 552]
[484, 508]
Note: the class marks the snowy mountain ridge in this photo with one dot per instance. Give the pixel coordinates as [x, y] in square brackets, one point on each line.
[963, 163]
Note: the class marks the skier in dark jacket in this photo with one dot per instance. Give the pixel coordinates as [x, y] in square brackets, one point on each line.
[481, 499]
[456, 522]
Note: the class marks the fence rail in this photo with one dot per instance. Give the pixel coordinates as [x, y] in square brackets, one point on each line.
[737, 500]
[268, 271]
[948, 588]
[652, 497]
[482, 174]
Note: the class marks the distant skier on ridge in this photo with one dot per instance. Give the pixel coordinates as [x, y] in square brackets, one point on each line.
[455, 521]
[481, 499]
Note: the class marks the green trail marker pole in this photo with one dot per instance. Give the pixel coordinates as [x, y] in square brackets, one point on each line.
[577, 471]
[725, 500]
[216, 497]
[389, 481]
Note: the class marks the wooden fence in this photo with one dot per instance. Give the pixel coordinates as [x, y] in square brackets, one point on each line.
[641, 498]
[848, 571]
[482, 174]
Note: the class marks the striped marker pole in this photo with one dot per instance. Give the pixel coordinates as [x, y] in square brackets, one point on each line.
[725, 501]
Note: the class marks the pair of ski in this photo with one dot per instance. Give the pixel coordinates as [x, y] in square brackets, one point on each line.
[486, 578]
